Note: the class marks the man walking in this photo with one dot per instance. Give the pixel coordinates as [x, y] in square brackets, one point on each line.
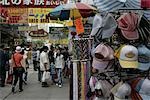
[2, 66]
[44, 63]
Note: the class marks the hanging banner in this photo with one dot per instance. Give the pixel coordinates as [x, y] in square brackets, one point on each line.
[79, 26]
[32, 3]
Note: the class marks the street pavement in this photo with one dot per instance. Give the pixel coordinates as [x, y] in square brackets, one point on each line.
[34, 91]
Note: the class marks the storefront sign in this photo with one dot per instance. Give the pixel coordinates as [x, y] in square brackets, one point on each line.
[60, 41]
[32, 3]
[39, 33]
[16, 15]
[38, 15]
[58, 30]
[28, 28]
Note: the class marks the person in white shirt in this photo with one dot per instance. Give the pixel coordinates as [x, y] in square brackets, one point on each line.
[44, 63]
[59, 64]
[38, 64]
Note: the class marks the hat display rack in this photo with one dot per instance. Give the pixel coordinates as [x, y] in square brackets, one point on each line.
[127, 48]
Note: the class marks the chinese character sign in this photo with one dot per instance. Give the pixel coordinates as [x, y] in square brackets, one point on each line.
[32, 3]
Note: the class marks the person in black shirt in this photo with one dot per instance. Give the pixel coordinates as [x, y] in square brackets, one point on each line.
[2, 66]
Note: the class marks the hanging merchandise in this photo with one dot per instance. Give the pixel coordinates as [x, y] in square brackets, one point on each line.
[121, 91]
[79, 26]
[143, 58]
[144, 29]
[128, 24]
[128, 57]
[102, 56]
[75, 81]
[145, 3]
[129, 38]
[102, 28]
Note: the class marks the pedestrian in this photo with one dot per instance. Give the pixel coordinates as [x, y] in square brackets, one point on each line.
[25, 65]
[34, 58]
[29, 54]
[18, 69]
[52, 64]
[59, 64]
[66, 59]
[2, 66]
[44, 63]
[38, 64]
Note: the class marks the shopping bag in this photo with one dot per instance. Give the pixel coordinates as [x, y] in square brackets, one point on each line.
[46, 76]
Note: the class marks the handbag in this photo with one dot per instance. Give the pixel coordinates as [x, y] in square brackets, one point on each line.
[9, 79]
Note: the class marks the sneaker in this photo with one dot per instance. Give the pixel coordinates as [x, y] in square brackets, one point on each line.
[60, 86]
[20, 90]
[56, 84]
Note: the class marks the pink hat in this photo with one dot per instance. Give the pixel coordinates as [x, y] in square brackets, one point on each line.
[101, 57]
[128, 25]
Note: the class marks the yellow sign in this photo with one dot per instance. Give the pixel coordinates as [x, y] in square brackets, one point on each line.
[61, 41]
[27, 28]
[38, 15]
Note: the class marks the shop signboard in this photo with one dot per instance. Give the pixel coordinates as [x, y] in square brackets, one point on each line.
[38, 15]
[32, 3]
[39, 33]
[15, 15]
[58, 30]
[27, 28]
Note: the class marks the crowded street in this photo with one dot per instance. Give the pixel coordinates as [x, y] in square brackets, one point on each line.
[74, 49]
[33, 90]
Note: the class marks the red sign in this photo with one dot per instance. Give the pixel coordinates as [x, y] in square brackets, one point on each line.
[32, 3]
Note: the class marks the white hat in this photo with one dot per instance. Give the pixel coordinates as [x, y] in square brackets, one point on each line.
[145, 87]
[128, 57]
[121, 91]
[18, 49]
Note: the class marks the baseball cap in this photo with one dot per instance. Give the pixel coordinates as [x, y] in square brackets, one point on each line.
[102, 27]
[128, 56]
[121, 91]
[101, 56]
[128, 24]
[143, 57]
[143, 88]
[18, 49]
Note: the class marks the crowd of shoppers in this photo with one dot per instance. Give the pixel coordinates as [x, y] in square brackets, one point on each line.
[16, 62]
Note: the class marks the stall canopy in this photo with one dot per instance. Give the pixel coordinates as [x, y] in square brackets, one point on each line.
[113, 5]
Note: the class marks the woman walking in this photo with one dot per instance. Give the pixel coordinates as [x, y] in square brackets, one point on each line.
[59, 64]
